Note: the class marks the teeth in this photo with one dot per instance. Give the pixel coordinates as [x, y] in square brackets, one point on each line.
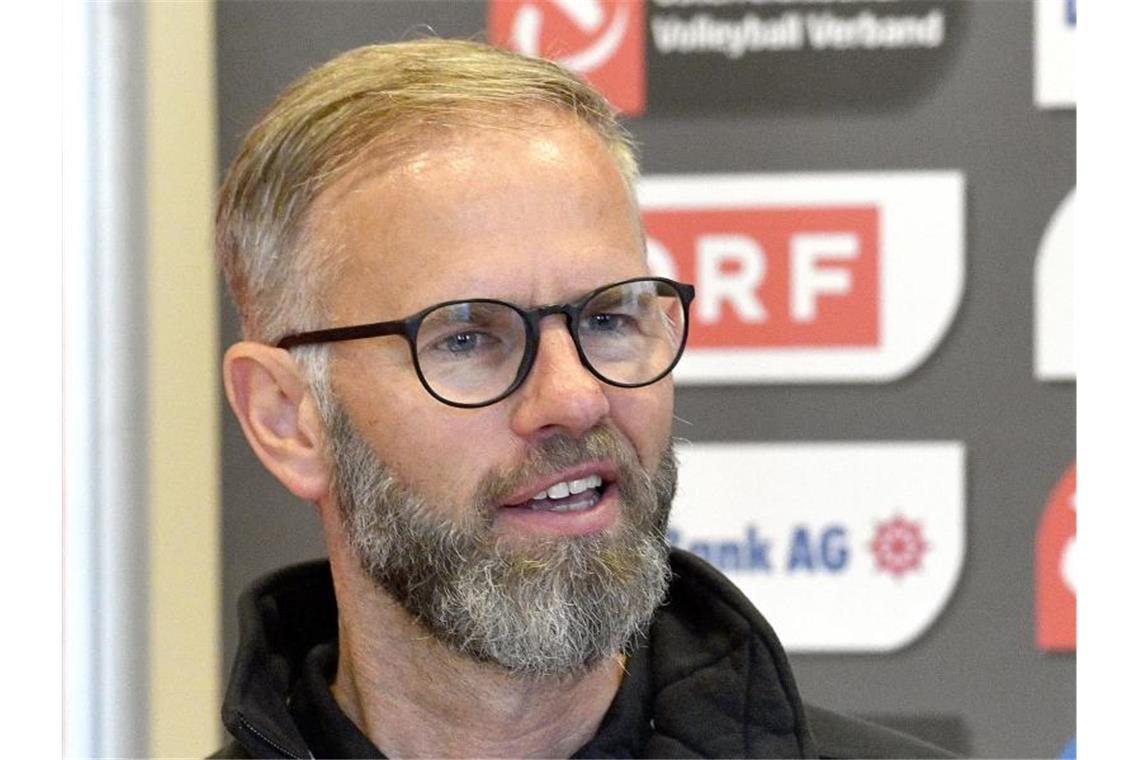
[584, 484]
[575, 505]
[565, 488]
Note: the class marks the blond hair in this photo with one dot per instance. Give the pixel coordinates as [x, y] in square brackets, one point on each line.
[369, 100]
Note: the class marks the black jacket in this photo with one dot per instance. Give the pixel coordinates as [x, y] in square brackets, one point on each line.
[710, 680]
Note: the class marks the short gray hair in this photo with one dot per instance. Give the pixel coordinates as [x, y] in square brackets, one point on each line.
[368, 100]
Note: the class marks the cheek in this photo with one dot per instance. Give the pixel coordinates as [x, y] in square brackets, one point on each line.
[390, 410]
[645, 416]
[429, 446]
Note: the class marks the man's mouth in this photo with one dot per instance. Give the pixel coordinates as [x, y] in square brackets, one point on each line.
[570, 495]
[566, 496]
[580, 500]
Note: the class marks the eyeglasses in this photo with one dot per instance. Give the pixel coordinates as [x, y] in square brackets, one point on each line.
[476, 352]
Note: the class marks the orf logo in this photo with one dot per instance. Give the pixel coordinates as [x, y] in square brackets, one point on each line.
[603, 40]
[809, 277]
[1056, 567]
[794, 276]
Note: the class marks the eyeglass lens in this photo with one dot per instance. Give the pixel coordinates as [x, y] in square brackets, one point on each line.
[470, 352]
[630, 334]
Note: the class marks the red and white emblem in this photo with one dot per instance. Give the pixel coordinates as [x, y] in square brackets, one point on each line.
[898, 546]
[1056, 567]
[603, 40]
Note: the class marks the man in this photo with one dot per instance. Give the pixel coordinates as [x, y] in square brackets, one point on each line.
[455, 350]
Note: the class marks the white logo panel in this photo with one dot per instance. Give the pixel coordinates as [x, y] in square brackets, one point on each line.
[1055, 53]
[844, 547]
[917, 254]
[1053, 296]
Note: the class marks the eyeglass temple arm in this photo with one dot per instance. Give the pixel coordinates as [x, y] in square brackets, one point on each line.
[335, 334]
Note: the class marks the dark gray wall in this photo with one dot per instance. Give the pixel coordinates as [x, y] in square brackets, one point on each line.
[976, 680]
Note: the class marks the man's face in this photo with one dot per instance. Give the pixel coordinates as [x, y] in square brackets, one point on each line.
[523, 215]
[530, 216]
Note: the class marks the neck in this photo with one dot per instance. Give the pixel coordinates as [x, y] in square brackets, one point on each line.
[393, 679]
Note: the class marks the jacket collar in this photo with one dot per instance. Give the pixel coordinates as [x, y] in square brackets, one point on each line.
[280, 618]
[719, 681]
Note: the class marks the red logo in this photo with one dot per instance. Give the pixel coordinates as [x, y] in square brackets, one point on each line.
[603, 40]
[1056, 572]
[898, 546]
[794, 276]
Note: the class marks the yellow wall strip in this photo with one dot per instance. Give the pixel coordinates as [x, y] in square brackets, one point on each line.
[185, 629]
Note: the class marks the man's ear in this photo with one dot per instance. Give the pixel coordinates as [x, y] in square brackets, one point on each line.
[278, 415]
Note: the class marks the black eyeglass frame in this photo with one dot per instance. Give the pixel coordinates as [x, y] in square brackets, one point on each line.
[409, 328]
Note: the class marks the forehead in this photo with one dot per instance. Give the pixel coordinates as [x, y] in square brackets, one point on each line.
[533, 214]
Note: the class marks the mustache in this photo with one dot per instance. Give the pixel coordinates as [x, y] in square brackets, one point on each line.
[554, 454]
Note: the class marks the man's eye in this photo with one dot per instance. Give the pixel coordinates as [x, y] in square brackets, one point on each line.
[603, 323]
[463, 343]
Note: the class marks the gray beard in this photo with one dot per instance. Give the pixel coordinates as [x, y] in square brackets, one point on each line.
[539, 608]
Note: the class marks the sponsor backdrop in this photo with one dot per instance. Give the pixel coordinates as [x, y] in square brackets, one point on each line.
[875, 202]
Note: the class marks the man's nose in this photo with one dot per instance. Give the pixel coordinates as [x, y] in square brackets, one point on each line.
[560, 394]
